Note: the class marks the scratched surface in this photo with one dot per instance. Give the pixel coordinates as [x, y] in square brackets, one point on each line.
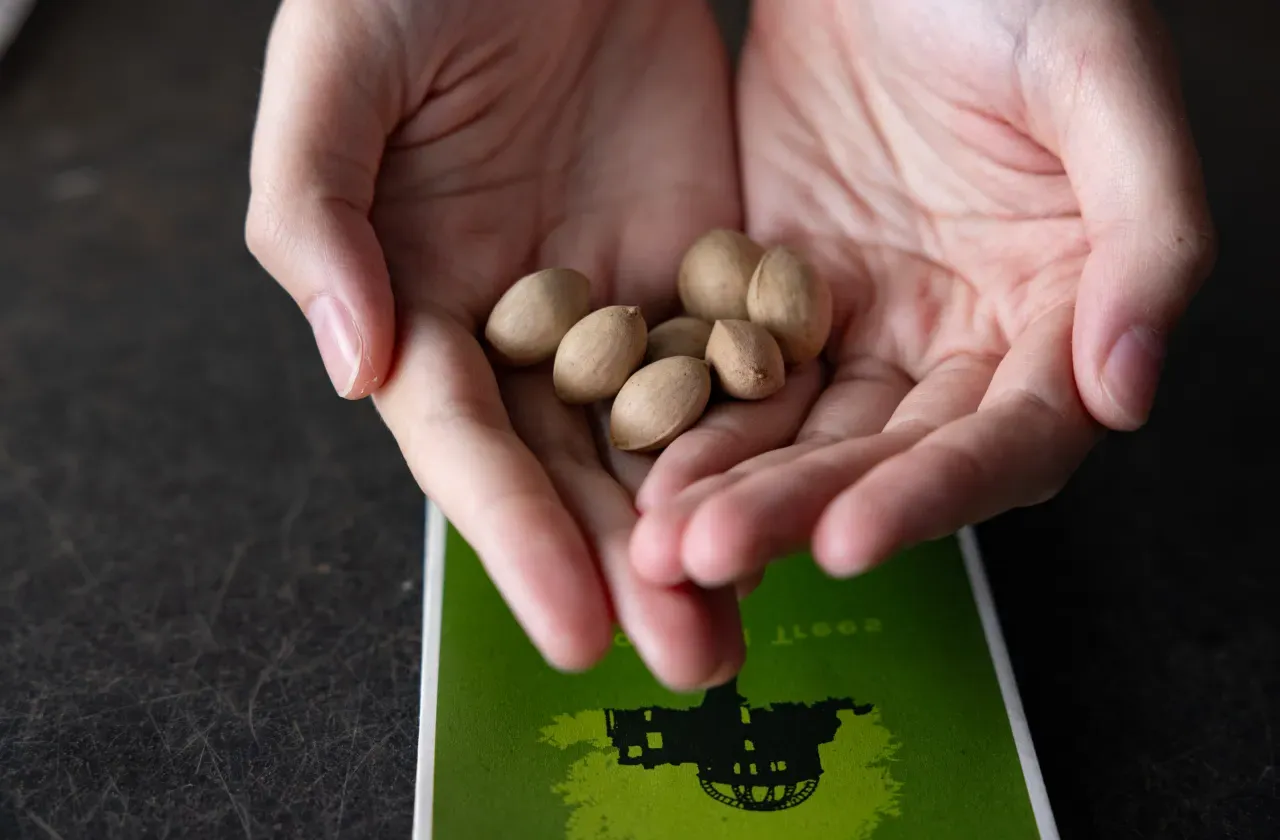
[209, 582]
[209, 566]
[1141, 605]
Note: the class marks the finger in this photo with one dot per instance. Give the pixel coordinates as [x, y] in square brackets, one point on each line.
[729, 434]
[748, 584]
[443, 407]
[687, 637]
[952, 389]
[322, 122]
[656, 542]
[629, 468]
[861, 398]
[1028, 435]
[1115, 113]
[774, 512]
[770, 513]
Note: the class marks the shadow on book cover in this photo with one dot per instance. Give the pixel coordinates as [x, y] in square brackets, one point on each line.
[879, 708]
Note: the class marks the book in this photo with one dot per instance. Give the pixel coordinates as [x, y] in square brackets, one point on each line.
[877, 708]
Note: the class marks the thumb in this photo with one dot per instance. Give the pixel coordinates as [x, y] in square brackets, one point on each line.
[326, 108]
[1124, 140]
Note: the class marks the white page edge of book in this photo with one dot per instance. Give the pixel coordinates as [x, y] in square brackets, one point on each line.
[1031, 774]
[432, 608]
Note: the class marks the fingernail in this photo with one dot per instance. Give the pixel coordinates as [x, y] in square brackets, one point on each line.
[727, 671]
[733, 652]
[1132, 372]
[338, 340]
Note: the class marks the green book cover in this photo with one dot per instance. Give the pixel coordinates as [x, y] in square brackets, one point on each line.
[878, 708]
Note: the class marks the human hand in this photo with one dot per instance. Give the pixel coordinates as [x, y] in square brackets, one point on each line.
[413, 160]
[1005, 198]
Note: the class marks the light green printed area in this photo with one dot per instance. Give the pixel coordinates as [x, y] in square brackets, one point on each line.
[523, 751]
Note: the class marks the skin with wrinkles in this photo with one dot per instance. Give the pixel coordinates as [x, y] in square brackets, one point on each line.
[1001, 194]
[413, 160]
[996, 191]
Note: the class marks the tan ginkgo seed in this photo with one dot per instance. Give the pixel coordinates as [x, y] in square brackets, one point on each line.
[681, 336]
[598, 354]
[658, 403]
[715, 273]
[527, 323]
[789, 299]
[746, 360]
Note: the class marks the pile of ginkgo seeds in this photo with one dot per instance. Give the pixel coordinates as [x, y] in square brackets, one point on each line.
[749, 313]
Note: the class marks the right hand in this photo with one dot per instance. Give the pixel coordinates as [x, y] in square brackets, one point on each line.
[411, 161]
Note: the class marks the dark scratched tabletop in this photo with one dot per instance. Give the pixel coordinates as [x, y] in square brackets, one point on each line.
[210, 566]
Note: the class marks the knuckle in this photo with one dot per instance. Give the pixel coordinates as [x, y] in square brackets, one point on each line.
[1192, 246]
[258, 228]
[1205, 249]
[1047, 491]
[722, 437]
[264, 229]
[962, 472]
[912, 426]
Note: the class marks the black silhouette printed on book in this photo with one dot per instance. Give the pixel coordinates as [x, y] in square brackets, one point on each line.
[753, 759]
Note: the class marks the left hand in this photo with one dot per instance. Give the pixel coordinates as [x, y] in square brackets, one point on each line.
[411, 161]
[1006, 200]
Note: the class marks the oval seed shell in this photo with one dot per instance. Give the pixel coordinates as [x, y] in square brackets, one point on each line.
[682, 336]
[528, 322]
[598, 354]
[746, 360]
[715, 274]
[790, 300]
[658, 403]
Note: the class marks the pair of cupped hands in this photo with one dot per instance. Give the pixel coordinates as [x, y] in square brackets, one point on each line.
[1002, 194]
